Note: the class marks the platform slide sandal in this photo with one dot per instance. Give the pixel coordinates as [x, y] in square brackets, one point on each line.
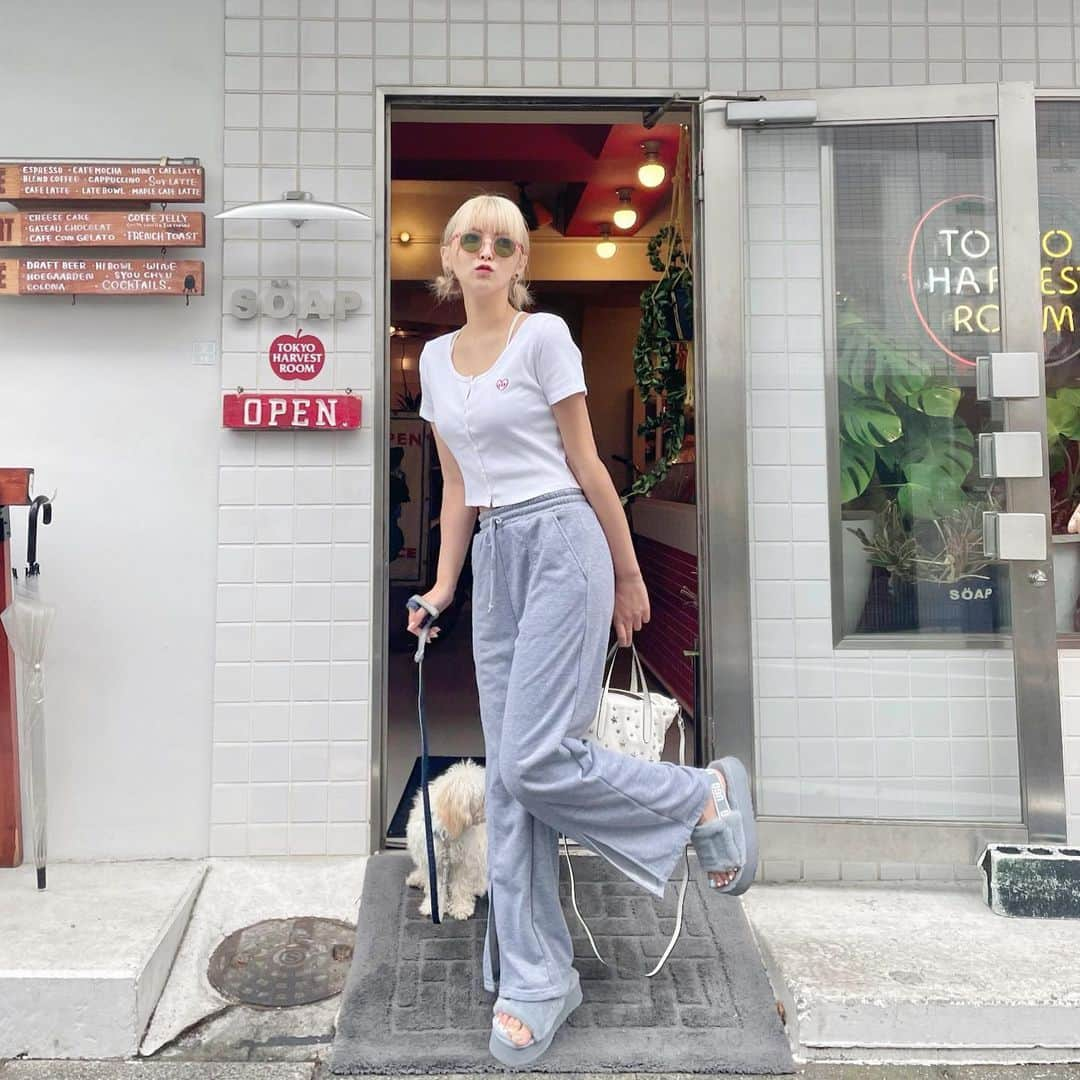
[542, 1018]
[729, 840]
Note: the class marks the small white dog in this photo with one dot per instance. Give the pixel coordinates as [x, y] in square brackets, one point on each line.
[458, 826]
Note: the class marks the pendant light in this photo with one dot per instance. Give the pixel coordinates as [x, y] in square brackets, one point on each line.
[606, 247]
[652, 172]
[626, 216]
[294, 206]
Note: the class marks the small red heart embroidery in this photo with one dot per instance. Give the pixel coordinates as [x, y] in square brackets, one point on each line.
[502, 384]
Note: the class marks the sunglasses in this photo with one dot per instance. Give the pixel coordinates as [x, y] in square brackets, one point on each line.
[503, 246]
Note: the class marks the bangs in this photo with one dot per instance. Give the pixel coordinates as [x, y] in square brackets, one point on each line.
[493, 214]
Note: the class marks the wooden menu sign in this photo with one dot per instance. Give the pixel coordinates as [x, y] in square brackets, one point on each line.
[46, 181]
[105, 277]
[88, 228]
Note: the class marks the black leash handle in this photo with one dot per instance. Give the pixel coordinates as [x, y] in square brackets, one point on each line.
[415, 603]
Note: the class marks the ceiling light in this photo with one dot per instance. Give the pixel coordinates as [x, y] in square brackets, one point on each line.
[626, 216]
[405, 237]
[606, 247]
[652, 173]
[294, 206]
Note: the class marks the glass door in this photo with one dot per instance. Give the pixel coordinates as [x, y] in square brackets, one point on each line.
[900, 613]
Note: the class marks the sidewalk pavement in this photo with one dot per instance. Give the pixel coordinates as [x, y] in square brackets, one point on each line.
[154, 1070]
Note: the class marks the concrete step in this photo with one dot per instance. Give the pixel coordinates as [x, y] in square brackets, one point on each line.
[165, 1070]
[82, 963]
[917, 974]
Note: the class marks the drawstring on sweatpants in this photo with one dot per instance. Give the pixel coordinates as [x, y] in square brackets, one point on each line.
[495, 522]
[490, 522]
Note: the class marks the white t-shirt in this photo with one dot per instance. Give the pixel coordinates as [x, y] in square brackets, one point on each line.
[499, 424]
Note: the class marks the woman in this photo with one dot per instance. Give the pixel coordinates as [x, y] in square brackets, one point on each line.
[553, 568]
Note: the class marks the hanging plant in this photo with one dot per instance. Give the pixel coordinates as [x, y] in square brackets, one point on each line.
[666, 320]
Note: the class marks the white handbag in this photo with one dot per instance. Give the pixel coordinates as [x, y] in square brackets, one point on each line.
[634, 722]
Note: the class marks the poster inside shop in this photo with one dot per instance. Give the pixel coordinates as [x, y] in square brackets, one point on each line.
[409, 480]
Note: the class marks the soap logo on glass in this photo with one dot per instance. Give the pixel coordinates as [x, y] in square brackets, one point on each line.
[953, 277]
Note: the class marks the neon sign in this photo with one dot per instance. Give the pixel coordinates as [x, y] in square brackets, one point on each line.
[954, 287]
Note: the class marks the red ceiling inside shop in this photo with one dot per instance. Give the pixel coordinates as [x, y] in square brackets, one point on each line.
[583, 164]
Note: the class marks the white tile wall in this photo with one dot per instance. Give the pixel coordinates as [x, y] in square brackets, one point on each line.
[292, 713]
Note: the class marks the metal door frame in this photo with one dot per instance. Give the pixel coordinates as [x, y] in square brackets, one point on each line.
[1010, 107]
[553, 105]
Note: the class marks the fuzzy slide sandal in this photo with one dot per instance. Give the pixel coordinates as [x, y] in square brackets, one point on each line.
[542, 1018]
[729, 840]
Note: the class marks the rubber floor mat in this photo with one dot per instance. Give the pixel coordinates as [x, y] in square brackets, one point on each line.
[414, 1001]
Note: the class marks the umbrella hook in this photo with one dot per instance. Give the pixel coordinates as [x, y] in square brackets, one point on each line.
[32, 567]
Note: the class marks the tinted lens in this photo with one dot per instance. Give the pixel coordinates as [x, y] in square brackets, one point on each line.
[504, 247]
[471, 242]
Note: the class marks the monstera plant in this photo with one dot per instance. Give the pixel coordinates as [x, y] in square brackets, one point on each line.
[898, 424]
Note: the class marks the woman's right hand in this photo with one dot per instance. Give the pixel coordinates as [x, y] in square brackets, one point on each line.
[439, 597]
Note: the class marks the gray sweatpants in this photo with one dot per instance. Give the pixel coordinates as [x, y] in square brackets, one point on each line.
[543, 598]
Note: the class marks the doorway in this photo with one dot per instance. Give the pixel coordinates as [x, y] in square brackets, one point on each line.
[569, 166]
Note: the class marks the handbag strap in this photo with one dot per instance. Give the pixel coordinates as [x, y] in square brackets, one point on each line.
[636, 672]
[674, 936]
[682, 885]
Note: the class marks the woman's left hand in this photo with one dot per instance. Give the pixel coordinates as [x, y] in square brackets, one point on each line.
[631, 606]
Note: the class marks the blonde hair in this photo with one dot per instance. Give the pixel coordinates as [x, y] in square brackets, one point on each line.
[487, 213]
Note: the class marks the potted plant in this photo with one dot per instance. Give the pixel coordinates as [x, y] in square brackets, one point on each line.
[900, 439]
[934, 575]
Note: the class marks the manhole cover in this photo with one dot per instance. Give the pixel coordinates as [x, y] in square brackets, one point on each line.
[281, 962]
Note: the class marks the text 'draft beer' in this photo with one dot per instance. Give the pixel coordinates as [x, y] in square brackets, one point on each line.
[103, 277]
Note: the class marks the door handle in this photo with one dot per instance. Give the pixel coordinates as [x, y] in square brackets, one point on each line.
[1014, 536]
[1007, 375]
[1010, 454]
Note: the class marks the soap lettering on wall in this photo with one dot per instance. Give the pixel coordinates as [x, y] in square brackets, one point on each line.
[280, 301]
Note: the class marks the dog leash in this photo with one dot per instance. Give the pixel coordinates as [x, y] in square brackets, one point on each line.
[415, 603]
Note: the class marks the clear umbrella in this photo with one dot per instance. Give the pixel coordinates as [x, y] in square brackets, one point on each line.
[26, 621]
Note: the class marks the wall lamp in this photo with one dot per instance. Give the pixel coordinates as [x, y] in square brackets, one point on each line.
[294, 206]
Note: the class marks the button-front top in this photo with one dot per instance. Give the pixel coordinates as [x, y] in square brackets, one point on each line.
[499, 425]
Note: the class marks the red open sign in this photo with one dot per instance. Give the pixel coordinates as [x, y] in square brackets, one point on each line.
[291, 412]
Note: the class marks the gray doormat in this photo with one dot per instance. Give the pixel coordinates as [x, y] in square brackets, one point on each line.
[414, 1001]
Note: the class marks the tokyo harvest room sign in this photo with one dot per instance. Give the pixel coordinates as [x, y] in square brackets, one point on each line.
[953, 278]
